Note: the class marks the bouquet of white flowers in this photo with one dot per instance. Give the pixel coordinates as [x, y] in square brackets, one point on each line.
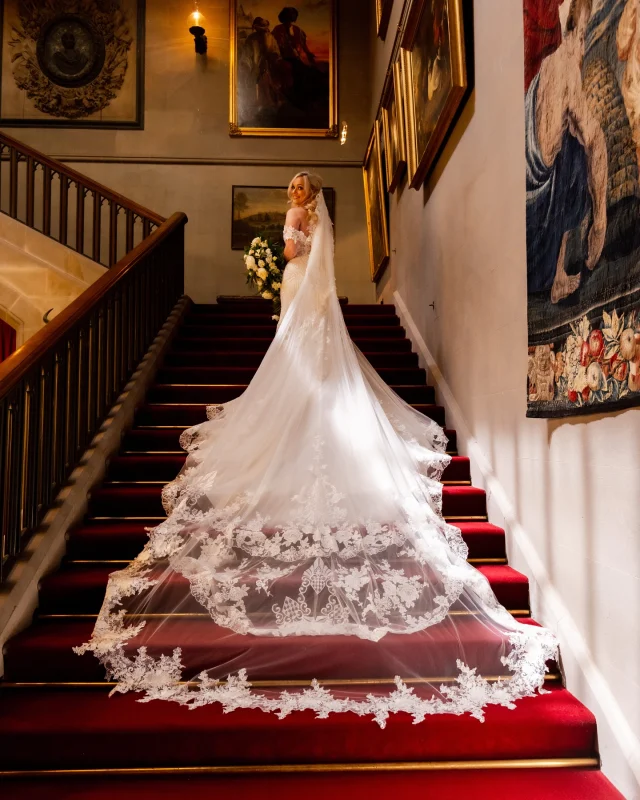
[264, 261]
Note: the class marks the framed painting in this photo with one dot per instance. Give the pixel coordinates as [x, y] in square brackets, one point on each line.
[393, 125]
[74, 65]
[261, 211]
[375, 204]
[435, 79]
[283, 69]
[383, 14]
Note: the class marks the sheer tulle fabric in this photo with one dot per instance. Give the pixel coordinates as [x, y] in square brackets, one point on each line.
[304, 562]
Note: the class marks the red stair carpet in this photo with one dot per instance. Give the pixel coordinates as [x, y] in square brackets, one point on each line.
[61, 736]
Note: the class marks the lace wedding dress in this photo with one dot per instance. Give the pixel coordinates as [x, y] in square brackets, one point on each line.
[305, 562]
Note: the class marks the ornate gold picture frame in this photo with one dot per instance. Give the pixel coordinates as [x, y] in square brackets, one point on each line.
[284, 70]
[375, 204]
[435, 79]
[72, 65]
[383, 14]
[393, 125]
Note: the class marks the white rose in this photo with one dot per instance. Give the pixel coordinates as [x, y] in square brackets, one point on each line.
[275, 317]
[261, 263]
[269, 259]
[255, 241]
[269, 251]
[251, 252]
[267, 295]
[262, 273]
[276, 286]
[250, 262]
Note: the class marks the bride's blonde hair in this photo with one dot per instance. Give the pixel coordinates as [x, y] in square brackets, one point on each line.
[313, 187]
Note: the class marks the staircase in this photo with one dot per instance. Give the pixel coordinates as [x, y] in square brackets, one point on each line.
[54, 711]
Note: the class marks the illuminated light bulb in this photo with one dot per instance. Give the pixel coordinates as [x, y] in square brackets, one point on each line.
[343, 133]
[196, 29]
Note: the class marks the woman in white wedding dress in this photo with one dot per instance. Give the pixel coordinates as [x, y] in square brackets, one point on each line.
[304, 562]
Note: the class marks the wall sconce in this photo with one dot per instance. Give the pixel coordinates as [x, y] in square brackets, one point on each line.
[343, 133]
[197, 31]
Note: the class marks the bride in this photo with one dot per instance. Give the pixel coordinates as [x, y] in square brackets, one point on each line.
[304, 562]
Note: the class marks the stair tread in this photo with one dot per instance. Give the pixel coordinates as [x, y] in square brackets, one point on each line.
[78, 588]
[53, 729]
[480, 784]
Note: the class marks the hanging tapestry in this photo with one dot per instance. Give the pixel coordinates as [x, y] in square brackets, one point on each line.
[582, 118]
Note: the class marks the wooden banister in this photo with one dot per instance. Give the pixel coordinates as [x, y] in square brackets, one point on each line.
[15, 367]
[57, 388]
[24, 151]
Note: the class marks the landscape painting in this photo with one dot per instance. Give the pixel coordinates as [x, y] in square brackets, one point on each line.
[261, 211]
[582, 146]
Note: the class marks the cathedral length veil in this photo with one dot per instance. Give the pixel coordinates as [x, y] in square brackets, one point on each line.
[305, 563]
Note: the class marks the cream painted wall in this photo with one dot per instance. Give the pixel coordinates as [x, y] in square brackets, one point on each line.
[38, 275]
[566, 490]
[187, 100]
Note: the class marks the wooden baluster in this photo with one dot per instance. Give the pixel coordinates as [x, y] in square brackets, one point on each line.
[113, 232]
[131, 223]
[64, 209]
[97, 225]
[80, 391]
[69, 409]
[90, 394]
[2, 149]
[57, 418]
[46, 200]
[80, 195]
[14, 158]
[146, 227]
[31, 185]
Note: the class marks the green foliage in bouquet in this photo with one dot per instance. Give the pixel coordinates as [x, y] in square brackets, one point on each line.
[264, 261]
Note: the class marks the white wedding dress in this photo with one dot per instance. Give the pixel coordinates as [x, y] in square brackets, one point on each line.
[304, 562]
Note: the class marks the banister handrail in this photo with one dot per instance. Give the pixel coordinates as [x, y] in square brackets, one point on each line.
[17, 365]
[80, 178]
[56, 390]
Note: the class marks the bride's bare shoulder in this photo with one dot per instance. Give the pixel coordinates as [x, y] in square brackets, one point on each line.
[296, 217]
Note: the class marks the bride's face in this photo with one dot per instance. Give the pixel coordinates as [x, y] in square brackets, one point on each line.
[298, 192]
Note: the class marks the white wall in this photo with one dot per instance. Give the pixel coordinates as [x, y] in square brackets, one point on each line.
[187, 118]
[566, 490]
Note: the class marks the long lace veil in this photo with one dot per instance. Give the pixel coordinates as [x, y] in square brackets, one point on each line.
[304, 562]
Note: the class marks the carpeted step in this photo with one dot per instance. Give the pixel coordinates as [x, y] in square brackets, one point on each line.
[123, 540]
[243, 305]
[165, 467]
[483, 539]
[216, 344]
[49, 729]
[229, 318]
[463, 501]
[120, 540]
[182, 357]
[43, 653]
[219, 393]
[143, 499]
[458, 471]
[195, 413]
[165, 439]
[202, 373]
[79, 588]
[240, 331]
[446, 784]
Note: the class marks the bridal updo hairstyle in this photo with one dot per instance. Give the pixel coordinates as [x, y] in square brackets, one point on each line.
[313, 187]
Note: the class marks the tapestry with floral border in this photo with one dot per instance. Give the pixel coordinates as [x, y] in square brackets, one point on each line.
[582, 145]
